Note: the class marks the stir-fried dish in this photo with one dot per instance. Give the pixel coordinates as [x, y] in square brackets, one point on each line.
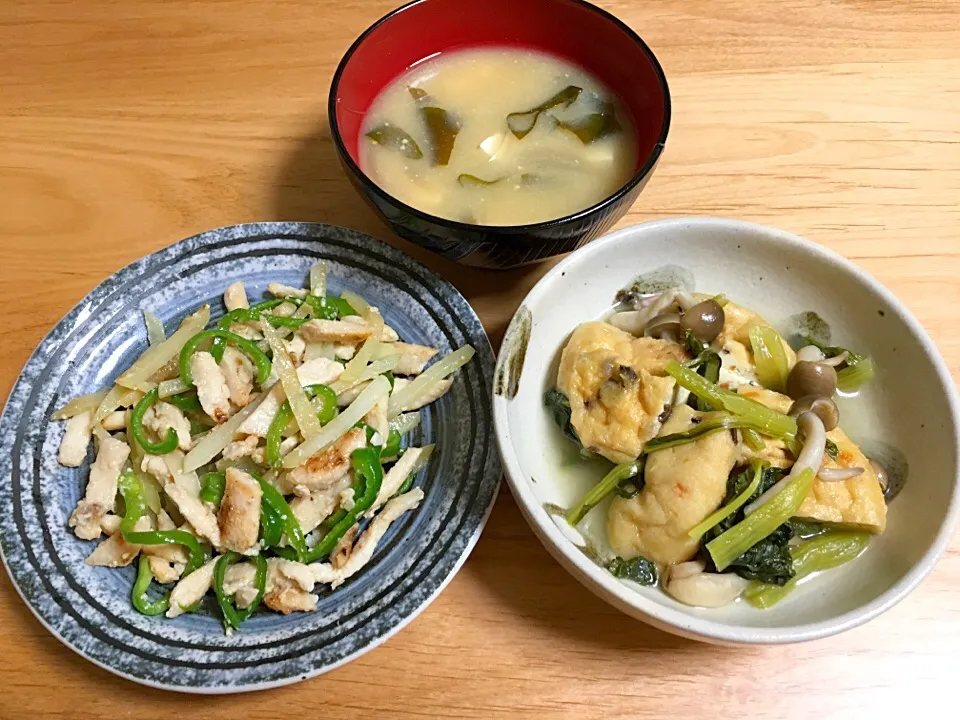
[732, 476]
[258, 459]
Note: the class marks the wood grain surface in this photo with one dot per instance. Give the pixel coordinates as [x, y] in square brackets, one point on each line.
[126, 126]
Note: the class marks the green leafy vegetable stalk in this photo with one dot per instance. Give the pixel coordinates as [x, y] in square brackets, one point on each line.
[610, 481]
[823, 552]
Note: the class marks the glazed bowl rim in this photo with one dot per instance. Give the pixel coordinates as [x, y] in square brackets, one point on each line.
[495, 232]
[678, 620]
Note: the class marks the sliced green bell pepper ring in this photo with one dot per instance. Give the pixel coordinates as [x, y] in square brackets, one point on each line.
[368, 478]
[232, 617]
[141, 602]
[250, 349]
[168, 444]
[212, 485]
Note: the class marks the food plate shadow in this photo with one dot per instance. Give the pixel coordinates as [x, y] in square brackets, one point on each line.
[518, 571]
[311, 186]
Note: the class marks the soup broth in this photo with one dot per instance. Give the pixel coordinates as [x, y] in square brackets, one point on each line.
[498, 136]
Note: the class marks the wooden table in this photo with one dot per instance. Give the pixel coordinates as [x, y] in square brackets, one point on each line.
[125, 126]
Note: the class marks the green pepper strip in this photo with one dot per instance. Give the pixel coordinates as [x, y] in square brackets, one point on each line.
[392, 448]
[253, 313]
[407, 484]
[141, 602]
[333, 519]
[168, 444]
[257, 355]
[275, 432]
[136, 506]
[273, 499]
[271, 526]
[212, 485]
[368, 478]
[330, 307]
[232, 617]
[170, 537]
[188, 401]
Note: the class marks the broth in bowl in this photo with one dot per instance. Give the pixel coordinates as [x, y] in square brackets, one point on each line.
[498, 136]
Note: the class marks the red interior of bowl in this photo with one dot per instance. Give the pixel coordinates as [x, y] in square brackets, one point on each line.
[566, 28]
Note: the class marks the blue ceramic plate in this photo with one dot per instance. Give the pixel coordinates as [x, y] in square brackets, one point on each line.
[89, 608]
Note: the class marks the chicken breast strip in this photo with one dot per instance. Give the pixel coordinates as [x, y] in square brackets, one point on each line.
[191, 589]
[184, 489]
[164, 570]
[439, 390]
[73, 447]
[115, 551]
[117, 420]
[311, 510]
[317, 371]
[325, 468]
[280, 290]
[238, 373]
[395, 477]
[162, 417]
[101, 489]
[363, 550]
[235, 297]
[239, 516]
[241, 448]
[377, 418]
[288, 587]
[211, 385]
[336, 331]
[413, 358]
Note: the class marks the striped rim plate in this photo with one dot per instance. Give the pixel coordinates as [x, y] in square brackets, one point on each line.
[89, 608]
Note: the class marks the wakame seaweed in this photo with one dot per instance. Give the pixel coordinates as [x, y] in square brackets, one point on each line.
[442, 126]
[521, 123]
[394, 138]
[769, 560]
[594, 126]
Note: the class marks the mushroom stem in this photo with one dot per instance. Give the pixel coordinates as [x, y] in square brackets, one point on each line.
[810, 458]
[839, 474]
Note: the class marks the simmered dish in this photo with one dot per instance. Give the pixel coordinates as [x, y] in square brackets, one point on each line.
[259, 459]
[732, 476]
[498, 136]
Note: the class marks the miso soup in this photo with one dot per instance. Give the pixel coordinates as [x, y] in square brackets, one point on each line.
[498, 136]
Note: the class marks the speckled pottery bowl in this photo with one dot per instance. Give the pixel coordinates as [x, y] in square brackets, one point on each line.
[88, 608]
[913, 425]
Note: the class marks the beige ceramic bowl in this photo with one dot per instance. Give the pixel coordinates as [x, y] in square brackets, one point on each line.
[910, 411]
